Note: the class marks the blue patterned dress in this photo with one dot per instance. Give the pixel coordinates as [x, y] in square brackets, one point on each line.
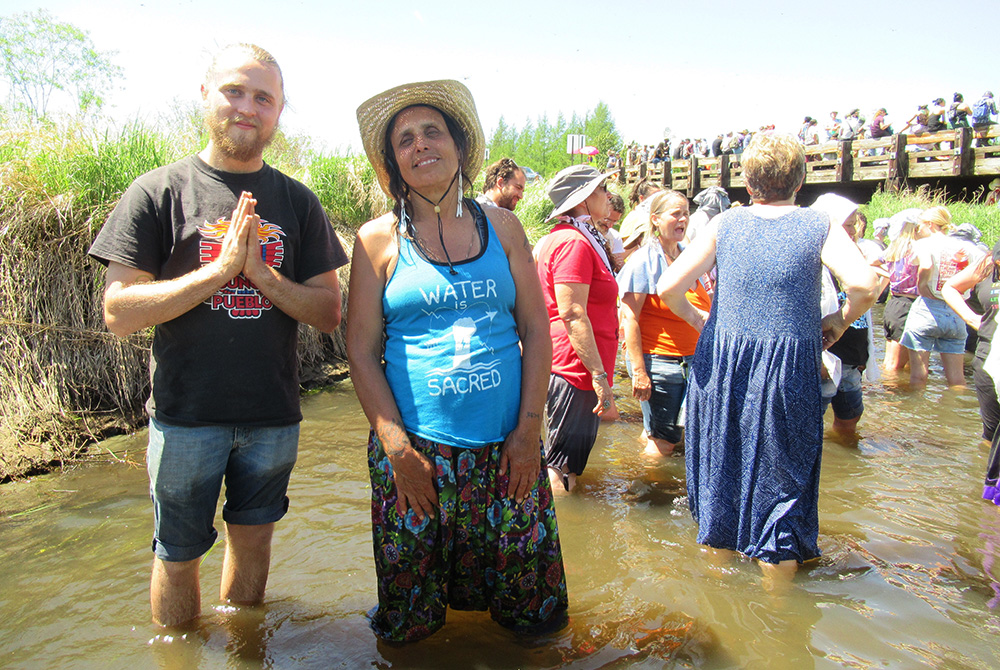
[754, 414]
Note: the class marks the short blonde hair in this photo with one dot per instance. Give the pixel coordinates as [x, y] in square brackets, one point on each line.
[938, 216]
[252, 51]
[773, 165]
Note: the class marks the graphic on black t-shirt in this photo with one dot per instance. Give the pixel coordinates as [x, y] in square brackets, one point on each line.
[239, 296]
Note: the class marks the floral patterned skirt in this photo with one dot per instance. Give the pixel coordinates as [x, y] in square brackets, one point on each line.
[483, 551]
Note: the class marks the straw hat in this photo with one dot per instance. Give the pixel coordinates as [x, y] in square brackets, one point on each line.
[449, 96]
[573, 185]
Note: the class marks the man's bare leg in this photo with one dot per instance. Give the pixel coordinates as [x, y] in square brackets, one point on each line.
[174, 592]
[248, 558]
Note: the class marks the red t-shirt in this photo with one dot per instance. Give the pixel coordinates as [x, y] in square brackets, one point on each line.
[566, 257]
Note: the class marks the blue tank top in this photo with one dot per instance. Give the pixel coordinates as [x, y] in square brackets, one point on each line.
[452, 352]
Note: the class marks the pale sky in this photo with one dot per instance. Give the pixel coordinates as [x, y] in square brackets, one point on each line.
[698, 68]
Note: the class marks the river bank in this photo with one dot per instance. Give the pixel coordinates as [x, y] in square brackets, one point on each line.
[65, 381]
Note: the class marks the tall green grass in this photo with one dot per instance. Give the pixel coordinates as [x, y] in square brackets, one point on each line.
[347, 188]
[983, 217]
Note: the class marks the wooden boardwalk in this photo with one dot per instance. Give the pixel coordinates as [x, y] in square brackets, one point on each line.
[942, 155]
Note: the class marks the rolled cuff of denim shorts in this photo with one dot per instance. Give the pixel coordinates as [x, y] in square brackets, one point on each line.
[256, 517]
[175, 554]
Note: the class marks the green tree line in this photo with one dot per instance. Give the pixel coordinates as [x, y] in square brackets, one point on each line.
[541, 144]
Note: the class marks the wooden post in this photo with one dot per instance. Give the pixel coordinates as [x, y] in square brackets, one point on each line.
[964, 141]
[897, 158]
[642, 170]
[841, 151]
[668, 175]
[724, 170]
[695, 178]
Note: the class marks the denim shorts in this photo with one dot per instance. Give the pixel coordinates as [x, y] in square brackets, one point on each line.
[932, 325]
[187, 466]
[661, 414]
[846, 399]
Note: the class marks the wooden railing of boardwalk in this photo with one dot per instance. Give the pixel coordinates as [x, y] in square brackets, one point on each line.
[949, 153]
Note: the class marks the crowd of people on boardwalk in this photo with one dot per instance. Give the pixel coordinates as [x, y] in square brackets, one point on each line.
[928, 118]
[466, 346]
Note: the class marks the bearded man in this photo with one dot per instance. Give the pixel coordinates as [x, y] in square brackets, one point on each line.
[504, 185]
[223, 255]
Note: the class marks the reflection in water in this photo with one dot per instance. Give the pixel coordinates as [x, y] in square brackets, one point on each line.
[910, 572]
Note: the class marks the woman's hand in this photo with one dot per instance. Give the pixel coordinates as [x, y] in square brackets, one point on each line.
[605, 408]
[413, 474]
[522, 454]
[642, 387]
[833, 326]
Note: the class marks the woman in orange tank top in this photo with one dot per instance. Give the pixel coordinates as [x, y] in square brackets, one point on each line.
[658, 343]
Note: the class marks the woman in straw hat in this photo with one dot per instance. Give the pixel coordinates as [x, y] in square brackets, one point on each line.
[575, 268]
[754, 430]
[462, 512]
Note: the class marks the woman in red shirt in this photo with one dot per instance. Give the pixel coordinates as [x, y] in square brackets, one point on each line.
[575, 270]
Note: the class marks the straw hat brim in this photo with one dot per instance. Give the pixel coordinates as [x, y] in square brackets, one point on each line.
[579, 195]
[449, 96]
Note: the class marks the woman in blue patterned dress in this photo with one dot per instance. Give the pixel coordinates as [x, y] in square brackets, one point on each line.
[754, 412]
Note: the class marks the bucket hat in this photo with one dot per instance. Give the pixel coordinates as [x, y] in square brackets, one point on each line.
[573, 185]
[447, 95]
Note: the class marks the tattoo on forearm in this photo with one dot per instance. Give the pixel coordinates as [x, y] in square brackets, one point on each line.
[393, 438]
[532, 415]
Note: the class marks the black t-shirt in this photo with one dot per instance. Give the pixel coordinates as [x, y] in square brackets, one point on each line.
[230, 360]
[852, 347]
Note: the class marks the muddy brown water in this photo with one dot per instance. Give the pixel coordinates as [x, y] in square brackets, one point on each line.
[909, 578]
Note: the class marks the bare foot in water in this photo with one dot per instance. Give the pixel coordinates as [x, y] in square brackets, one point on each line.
[777, 577]
[656, 447]
[561, 483]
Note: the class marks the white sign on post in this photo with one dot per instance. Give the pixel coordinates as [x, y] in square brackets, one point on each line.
[574, 143]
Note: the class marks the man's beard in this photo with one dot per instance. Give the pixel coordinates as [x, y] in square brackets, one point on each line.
[506, 201]
[243, 149]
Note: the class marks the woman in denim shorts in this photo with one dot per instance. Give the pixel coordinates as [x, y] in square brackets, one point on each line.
[931, 324]
[658, 343]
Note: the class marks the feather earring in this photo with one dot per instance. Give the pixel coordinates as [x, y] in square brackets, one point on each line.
[458, 211]
[404, 219]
